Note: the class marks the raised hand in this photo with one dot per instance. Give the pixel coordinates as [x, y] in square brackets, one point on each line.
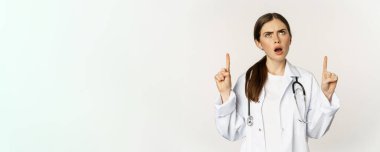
[329, 80]
[223, 80]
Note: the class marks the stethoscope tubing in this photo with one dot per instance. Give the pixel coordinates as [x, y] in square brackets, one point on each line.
[303, 120]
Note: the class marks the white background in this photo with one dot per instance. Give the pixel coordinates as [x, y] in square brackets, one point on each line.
[137, 76]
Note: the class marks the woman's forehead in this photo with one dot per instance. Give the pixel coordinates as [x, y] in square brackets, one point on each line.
[273, 25]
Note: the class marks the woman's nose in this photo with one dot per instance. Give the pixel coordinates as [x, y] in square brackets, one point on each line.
[276, 39]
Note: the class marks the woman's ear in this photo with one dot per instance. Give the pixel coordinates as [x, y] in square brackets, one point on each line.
[258, 44]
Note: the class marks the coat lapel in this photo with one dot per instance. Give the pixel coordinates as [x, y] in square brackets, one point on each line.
[289, 73]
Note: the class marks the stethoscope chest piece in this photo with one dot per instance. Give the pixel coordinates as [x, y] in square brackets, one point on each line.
[250, 120]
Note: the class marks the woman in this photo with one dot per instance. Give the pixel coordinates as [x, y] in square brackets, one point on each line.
[276, 118]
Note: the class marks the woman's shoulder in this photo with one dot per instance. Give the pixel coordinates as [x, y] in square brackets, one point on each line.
[241, 78]
[303, 71]
[298, 70]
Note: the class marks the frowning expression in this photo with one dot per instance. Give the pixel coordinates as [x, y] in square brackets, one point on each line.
[274, 40]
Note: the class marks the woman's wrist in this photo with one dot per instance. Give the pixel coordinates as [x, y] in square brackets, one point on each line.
[225, 95]
[328, 96]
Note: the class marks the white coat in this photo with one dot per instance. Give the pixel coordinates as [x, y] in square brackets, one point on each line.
[232, 115]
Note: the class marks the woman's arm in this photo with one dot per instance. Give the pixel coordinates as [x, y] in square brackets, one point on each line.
[321, 111]
[229, 122]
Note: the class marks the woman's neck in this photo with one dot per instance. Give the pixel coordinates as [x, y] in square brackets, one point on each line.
[276, 67]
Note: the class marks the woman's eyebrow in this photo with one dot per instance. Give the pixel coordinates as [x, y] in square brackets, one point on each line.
[268, 32]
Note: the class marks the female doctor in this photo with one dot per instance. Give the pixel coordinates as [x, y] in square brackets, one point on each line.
[275, 106]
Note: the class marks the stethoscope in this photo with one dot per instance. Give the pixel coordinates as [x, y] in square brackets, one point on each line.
[296, 91]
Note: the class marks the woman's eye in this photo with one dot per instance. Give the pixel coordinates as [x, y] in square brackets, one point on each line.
[282, 32]
[267, 35]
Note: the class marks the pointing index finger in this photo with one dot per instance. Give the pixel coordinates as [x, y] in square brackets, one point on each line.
[325, 64]
[228, 62]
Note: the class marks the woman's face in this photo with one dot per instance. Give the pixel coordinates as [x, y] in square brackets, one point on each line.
[274, 40]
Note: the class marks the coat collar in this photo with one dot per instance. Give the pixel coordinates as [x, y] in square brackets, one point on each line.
[290, 70]
[289, 73]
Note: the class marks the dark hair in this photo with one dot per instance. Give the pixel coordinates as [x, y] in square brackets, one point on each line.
[257, 74]
[266, 18]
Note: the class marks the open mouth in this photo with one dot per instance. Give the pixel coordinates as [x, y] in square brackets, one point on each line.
[278, 50]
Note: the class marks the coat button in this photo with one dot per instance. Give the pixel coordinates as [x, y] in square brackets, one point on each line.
[259, 129]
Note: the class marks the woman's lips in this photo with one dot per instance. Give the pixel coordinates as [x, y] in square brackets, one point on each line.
[278, 51]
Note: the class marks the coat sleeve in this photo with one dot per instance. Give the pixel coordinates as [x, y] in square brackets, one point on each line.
[229, 122]
[320, 112]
